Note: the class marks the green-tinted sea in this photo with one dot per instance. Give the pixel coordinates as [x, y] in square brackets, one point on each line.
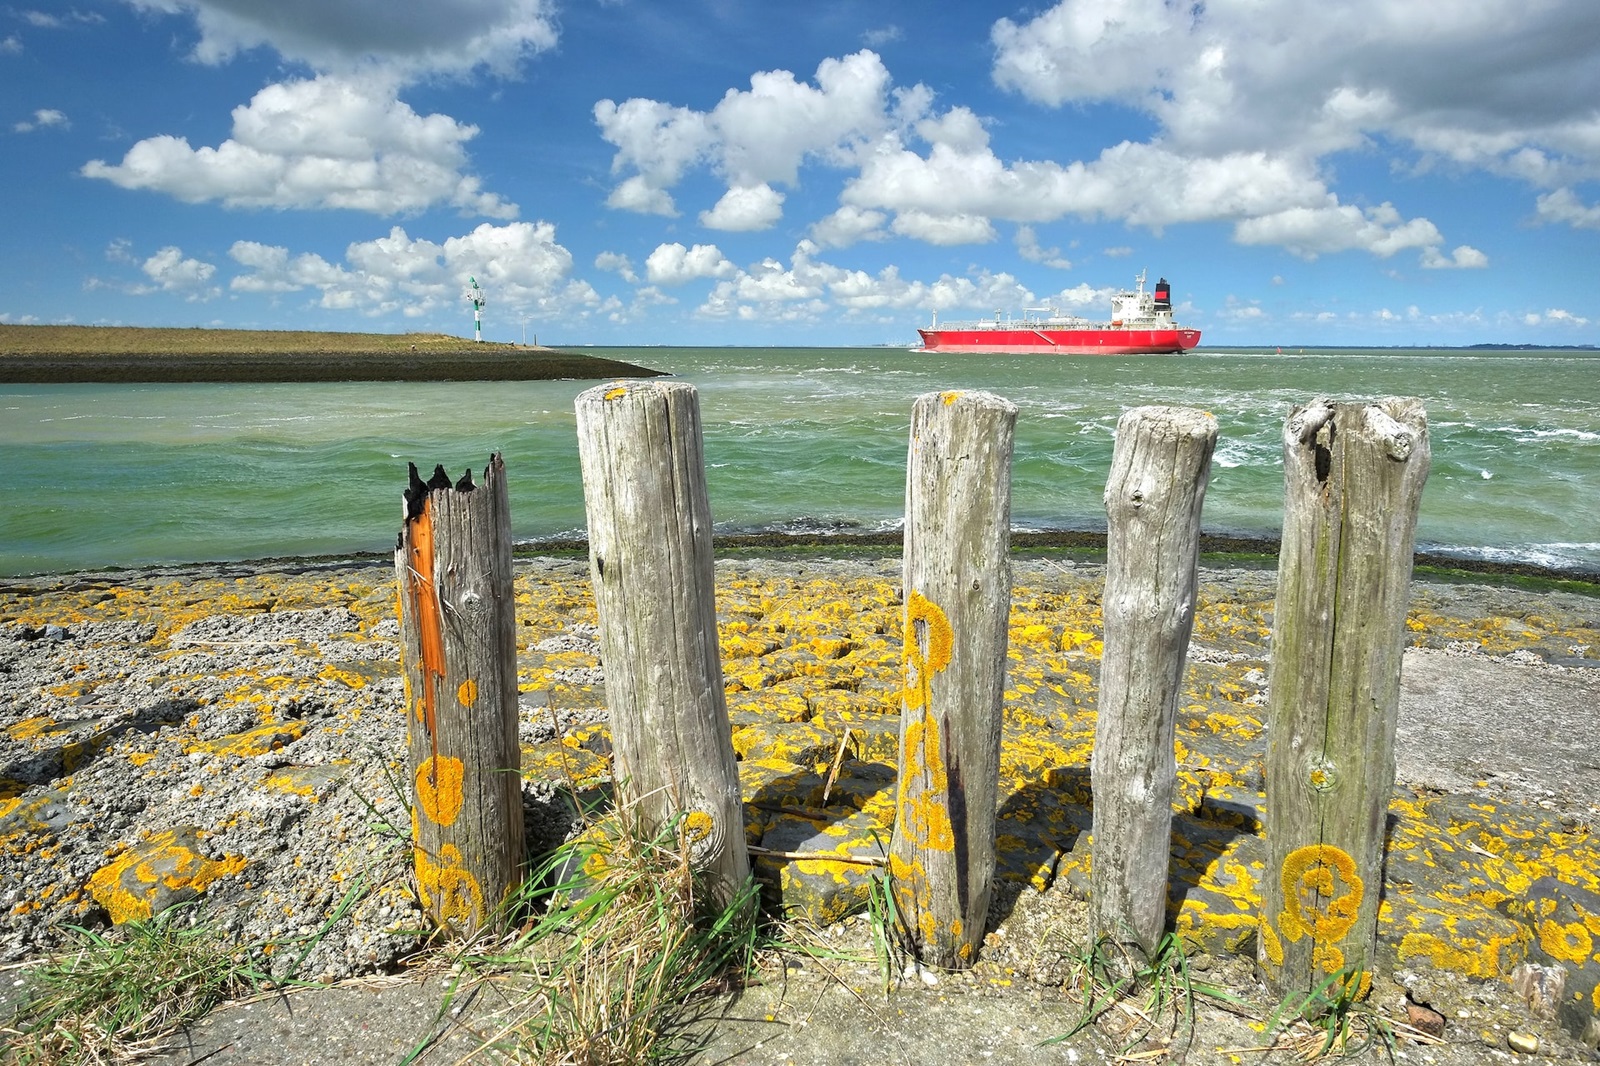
[795, 439]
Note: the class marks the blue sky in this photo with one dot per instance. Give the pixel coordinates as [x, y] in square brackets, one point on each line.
[825, 173]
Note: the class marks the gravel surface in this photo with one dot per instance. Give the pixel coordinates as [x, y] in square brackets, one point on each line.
[232, 735]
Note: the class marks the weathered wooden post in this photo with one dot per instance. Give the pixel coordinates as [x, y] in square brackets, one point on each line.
[1159, 470]
[650, 561]
[459, 657]
[1353, 478]
[957, 609]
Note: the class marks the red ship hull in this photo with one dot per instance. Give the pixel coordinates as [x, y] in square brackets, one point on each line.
[1093, 340]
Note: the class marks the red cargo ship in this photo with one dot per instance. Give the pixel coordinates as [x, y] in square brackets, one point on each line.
[1141, 324]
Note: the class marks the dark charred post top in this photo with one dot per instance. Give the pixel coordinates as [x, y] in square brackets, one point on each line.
[1353, 479]
[458, 654]
[1160, 466]
[651, 565]
[957, 614]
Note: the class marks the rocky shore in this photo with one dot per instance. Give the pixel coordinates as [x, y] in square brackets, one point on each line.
[233, 735]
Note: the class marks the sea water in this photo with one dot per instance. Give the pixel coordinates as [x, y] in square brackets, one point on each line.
[795, 439]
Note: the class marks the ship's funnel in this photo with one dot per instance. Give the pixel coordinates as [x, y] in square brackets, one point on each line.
[1163, 295]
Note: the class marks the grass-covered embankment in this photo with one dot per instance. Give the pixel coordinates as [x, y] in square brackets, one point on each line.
[111, 354]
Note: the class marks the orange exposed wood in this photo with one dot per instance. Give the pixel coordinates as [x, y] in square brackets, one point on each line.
[425, 605]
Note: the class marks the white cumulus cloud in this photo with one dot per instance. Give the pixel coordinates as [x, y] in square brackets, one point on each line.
[849, 225]
[1563, 205]
[1428, 85]
[1029, 248]
[172, 272]
[754, 139]
[673, 264]
[407, 39]
[1312, 231]
[44, 118]
[745, 209]
[617, 263]
[327, 142]
[520, 265]
[1464, 257]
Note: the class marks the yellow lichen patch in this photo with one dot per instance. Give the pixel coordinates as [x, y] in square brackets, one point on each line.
[448, 888]
[615, 393]
[467, 693]
[1270, 944]
[252, 742]
[1078, 641]
[574, 766]
[31, 728]
[1566, 941]
[164, 868]
[698, 827]
[347, 678]
[1492, 956]
[439, 791]
[924, 788]
[929, 642]
[1321, 895]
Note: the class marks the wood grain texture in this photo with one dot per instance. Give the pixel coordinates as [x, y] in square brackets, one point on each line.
[458, 652]
[1353, 479]
[650, 559]
[957, 572]
[1160, 467]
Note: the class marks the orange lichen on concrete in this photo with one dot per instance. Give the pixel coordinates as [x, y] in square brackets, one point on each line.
[163, 868]
[347, 678]
[252, 742]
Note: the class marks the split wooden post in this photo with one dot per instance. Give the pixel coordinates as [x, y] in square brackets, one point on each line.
[459, 657]
[957, 573]
[650, 561]
[1159, 470]
[1353, 479]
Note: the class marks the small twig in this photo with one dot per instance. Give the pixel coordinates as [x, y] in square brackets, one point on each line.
[198, 642]
[838, 760]
[818, 856]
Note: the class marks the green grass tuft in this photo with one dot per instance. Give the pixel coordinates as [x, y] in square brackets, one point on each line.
[118, 996]
[618, 944]
[1143, 998]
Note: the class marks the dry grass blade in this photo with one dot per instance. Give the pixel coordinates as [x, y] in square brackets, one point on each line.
[619, 945]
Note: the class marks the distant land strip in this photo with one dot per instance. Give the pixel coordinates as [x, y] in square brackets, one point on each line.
[36, 355]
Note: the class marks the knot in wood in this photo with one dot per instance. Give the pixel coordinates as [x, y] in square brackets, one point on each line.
[700, 834]
[470, 603]
[1322, 775]
[1308, 421]
[1396, 439]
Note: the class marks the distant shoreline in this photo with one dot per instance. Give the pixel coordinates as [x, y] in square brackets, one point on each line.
[49, 355]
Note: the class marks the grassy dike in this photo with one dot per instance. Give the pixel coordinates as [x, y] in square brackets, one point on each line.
[116, 354]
